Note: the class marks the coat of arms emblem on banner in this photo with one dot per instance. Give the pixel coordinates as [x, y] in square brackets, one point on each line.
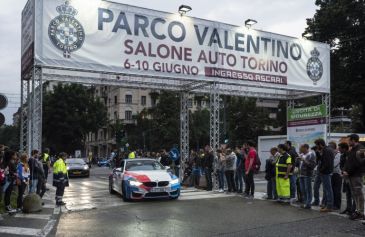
[314, 67]
[65, 31]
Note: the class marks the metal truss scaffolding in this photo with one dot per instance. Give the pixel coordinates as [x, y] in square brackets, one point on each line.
[24, 116]
[214, 126]
[214, 116]
[31, 112]
[184, 131]
[326, 100]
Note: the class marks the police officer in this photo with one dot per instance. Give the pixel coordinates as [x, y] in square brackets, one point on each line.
[283, 171]
[46, 162]
[60, 178]
[132, 155]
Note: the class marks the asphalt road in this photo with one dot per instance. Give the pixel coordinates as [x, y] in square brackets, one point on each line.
[93, 212]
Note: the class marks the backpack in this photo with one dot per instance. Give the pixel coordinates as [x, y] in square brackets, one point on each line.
[257, 164]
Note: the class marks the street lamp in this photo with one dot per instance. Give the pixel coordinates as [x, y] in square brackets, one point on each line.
[183, 9]
[250, 22]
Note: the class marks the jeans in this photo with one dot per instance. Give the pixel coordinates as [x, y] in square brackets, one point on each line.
[357, 194]
[8, 192]
[220, 174]
[33, 186]
[271, 189]
[336, 189]
[316, 187]
[21, 190]
[41, 187]
[327, 190]
[239, 179]
[250, 184]
[195, 180]
[306, 190]
[293, 185]
[350, 202]
[230, 180]
[208, 177]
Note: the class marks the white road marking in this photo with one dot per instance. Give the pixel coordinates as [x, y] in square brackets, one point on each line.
[19, 231]
[33, 216]
[56, 211]
[47, 229]
[48, 206]
[64, 209]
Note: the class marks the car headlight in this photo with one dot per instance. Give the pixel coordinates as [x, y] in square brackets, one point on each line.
[135, 183]
[174, 181]
[68, 167]
[86, 167]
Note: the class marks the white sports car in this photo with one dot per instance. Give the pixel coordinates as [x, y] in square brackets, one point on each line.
[143, 179]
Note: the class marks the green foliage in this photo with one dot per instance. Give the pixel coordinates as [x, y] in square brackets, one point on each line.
[199, 128]
[9, 136]
[341, 23]
[245, 120]
[69, 113]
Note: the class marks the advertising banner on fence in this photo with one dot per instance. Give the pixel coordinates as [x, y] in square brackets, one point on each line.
[305, 125]
[112, 37]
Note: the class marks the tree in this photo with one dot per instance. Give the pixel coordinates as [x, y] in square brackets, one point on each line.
[165, 126]
[9, 136]
[199, 128]
[341, 24]
[245, 120]
[70, 112]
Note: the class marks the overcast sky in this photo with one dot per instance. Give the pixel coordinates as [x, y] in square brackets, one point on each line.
[279, 16]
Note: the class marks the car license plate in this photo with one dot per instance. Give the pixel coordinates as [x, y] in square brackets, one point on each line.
[158, 190]
[77, 172]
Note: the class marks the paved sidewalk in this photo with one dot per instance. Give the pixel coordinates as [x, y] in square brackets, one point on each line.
[34, 224]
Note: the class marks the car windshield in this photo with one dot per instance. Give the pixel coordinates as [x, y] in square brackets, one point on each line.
[75, 162]
[141, 165]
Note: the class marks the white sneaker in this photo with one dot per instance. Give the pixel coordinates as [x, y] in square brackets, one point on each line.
[221, 191]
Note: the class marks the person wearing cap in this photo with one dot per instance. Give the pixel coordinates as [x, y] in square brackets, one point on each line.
[354, 168]
[60, 178]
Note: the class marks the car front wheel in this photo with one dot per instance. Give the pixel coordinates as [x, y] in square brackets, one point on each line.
[111, 190]
[124, 195]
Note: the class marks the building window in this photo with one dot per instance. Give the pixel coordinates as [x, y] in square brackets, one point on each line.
[128, 115]
[128, 99]
[143, 100]
[115, 99]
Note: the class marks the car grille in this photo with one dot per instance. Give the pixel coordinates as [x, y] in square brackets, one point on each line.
[150, 184]
[163, 183]
[160, 194]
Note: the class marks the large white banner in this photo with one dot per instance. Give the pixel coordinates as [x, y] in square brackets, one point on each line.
[110, 37]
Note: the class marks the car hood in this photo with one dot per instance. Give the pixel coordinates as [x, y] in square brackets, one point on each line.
[150, 176]
[75, 166]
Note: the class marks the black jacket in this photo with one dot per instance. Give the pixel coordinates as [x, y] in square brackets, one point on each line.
[326, 161]
[165, 160]
[269, 169]
[353, 165]
[208, 160]
[35, 169]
